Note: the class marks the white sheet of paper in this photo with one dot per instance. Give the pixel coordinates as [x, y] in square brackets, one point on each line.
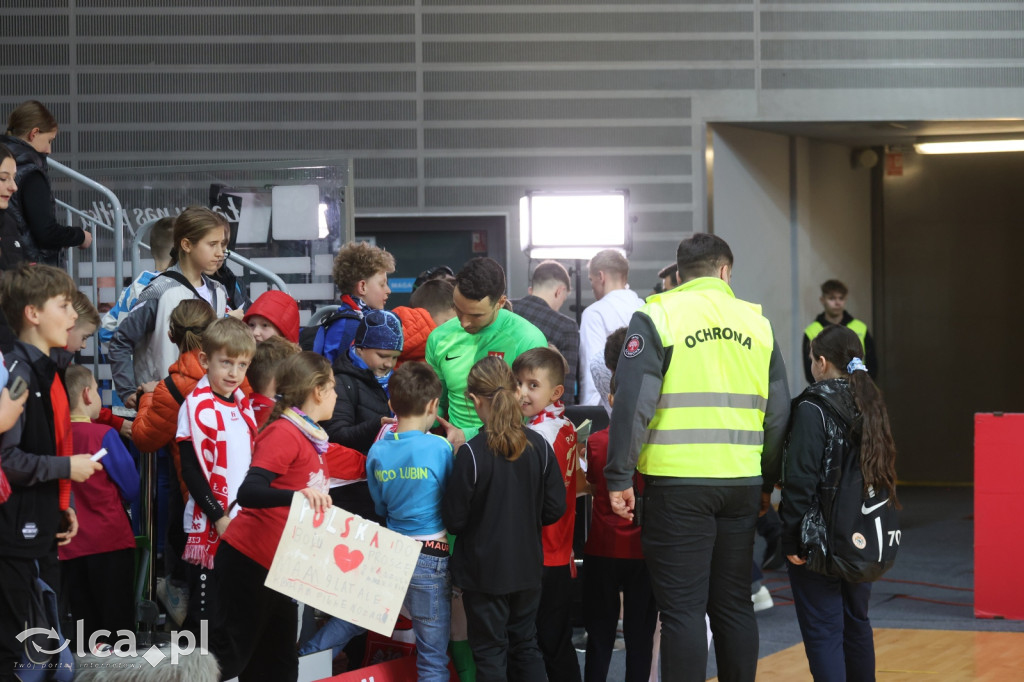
[582, 434]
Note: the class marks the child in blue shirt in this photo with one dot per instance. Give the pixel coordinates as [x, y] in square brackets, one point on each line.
[407, 472]
[161, 239]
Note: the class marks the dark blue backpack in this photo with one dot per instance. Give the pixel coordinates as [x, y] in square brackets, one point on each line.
[47, 653]
[336, 332]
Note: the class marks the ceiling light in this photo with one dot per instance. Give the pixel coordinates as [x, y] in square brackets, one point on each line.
[970, 147]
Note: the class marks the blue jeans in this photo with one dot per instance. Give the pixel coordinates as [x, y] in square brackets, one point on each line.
[429, 602]
[334, 635]
[833, 617]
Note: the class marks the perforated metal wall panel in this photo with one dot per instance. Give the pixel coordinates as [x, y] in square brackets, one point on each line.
[526, 167]
[461, 105]
[561, 78]
[624, 108]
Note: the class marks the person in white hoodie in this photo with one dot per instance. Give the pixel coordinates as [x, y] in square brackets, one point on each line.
[615, 304]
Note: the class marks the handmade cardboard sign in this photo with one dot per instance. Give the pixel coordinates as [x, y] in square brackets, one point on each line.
[343, 564]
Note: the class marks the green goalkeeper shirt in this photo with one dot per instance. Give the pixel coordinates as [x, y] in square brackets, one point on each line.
[452, 352]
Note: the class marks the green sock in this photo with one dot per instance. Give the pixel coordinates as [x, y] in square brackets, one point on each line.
[462, 657]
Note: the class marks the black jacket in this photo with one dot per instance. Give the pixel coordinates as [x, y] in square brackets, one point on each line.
[30, 519]
[34, 208]
[361, 404]
[497, 508]
[12, 253]
[824, 430]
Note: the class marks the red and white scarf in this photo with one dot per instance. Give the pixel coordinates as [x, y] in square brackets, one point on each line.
[555, 410]
[206, 424]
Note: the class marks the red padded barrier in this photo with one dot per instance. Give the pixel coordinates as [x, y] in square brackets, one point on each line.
[999, 516]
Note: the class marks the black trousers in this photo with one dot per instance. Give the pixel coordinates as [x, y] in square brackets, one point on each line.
[100, 591]
[554, 627]
[699, 544]
[203, 592]
[254, 628]
[503, 635]
[603, 579]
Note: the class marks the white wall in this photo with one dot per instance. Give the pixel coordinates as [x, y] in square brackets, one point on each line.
[788, 239]
[751, 205]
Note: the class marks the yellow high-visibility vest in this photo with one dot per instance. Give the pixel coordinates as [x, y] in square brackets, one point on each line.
[855, 325]
[709, 421]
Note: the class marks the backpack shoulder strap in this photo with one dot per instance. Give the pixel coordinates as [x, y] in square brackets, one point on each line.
[828, 412]
[340, 314]
[183, 280]
[173, 390]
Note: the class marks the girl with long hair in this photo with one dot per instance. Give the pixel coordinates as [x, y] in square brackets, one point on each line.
[140, 350]
[504, 486]
[253, 630]
[841, 415]
[31, 129]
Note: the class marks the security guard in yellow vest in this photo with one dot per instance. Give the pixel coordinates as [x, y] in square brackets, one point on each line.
[833, 300]
[700, 410]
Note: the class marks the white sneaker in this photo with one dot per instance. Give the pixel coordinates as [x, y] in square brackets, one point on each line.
[762, 599]
[174, 599]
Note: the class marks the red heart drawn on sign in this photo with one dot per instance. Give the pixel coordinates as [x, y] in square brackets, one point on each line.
[347, 560]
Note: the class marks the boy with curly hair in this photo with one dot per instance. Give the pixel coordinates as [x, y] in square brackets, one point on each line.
[361, 274]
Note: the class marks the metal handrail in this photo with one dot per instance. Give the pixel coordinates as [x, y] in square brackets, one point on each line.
[259, 270]
[147, 227]
[86, 217]
[140, 234]
[117, 210]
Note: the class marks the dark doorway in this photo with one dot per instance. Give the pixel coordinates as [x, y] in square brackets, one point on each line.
[419, 243]
[951, 249]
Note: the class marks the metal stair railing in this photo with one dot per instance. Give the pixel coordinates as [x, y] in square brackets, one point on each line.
[92, 219]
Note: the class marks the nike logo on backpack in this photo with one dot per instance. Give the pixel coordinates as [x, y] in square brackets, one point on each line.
[865, 509]
[449, 357]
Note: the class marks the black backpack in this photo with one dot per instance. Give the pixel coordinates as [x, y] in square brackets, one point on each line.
[848, 533]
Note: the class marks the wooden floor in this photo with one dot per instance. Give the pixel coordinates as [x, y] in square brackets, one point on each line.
[919, 655]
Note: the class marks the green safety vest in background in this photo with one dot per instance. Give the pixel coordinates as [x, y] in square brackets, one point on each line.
[855, 325]
[709, 421]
